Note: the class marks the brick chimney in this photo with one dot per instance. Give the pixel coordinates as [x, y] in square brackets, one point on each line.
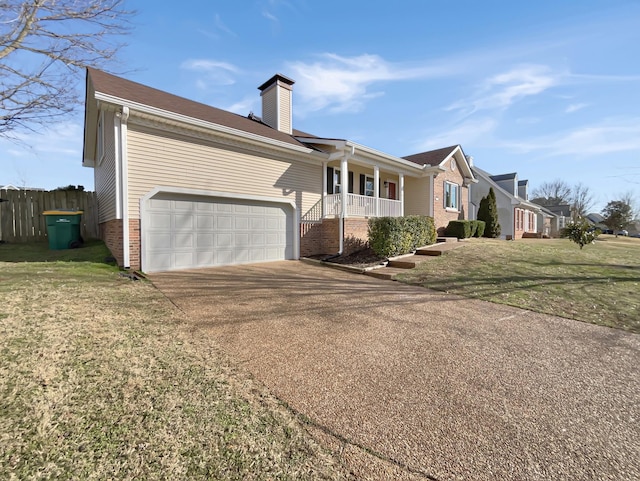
[277, 109]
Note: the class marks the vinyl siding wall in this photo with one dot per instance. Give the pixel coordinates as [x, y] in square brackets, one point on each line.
[270, 107]
[105, 173]
[285, 111]
[170, 160]
[416, 195]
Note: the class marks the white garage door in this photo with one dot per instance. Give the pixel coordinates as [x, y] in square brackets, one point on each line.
[188, 232]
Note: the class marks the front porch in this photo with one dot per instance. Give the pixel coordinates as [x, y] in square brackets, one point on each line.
[361, 206]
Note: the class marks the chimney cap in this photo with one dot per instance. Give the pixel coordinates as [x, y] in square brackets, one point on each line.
[274, 79]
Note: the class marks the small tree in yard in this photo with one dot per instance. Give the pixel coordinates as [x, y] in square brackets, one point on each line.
[488, 212]
[580, 232]
[617, 215]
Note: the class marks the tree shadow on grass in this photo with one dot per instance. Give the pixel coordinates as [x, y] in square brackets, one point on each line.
[91, 251]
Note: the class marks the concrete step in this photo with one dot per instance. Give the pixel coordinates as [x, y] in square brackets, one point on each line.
[388, 273]
[446, 239]
[438, 249]
[407, 262]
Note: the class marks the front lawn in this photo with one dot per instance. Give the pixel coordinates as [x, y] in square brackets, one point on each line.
[598, 284]
[100, 379]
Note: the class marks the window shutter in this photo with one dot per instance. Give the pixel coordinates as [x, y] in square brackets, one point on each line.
[362, 182]
[329, 180]
[350, 182]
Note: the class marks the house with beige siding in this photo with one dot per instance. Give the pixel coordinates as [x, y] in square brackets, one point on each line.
[182, 185]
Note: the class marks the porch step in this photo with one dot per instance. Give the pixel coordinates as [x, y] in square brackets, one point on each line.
[407, 262]
[438, 249]
[387, 273]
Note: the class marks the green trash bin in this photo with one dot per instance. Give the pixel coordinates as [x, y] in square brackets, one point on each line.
[63, 228]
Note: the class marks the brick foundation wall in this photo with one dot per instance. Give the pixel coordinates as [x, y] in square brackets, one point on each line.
[134, 244]
[356, 234]
[324, 238]
[111, 234]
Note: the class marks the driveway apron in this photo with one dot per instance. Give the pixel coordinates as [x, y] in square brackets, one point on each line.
[409, 383]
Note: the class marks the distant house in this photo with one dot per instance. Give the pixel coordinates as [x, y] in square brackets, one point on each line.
[13, 187]
[562, 214]
[516, 215]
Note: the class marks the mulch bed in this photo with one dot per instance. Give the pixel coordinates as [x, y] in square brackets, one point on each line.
[363, 258]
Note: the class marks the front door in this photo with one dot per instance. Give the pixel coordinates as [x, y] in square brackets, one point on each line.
[392, 191]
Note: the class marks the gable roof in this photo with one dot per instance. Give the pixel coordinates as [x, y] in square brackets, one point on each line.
[434, 160]
[119, 89]
[501, 177]
[432, 157]
[490, 179]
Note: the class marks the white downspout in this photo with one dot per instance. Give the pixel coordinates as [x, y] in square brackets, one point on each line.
[401, 195]
[324, 189]
[376, 188]
[124, 171]
[344, 191]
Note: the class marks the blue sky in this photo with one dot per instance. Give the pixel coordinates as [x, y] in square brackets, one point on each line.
[547, 89]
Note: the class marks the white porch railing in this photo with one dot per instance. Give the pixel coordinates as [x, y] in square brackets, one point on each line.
[362, 206]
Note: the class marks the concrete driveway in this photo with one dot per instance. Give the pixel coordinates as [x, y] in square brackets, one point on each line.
[408, 383]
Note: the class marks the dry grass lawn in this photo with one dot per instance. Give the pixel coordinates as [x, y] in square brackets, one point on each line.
[100, 379]
[598, 284]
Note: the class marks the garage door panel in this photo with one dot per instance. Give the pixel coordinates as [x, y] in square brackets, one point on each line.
[182, 233]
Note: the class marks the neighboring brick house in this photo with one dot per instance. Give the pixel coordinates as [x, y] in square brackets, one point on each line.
[449, 178]
[182, 184]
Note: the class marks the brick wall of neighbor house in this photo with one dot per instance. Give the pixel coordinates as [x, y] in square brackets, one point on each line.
[134, 243]
[111, 234]
[441, 216]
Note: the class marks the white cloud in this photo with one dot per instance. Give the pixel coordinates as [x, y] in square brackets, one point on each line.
[269, 16]
[502, 90]
[607, 137]
[575, 107]
[220, 25]
[211, 72]
[470, 131]
[244, 106]
[343, 83]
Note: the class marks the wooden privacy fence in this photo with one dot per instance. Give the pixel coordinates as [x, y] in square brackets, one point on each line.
[21, 218]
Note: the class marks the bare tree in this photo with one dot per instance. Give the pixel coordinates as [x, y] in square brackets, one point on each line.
[557, 192]
[632, 201]
[581, 200]
[44, 47]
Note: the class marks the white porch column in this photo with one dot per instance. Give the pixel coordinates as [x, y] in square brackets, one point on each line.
[376, 188]
[344, 184]
[401, 194]
[324, 189]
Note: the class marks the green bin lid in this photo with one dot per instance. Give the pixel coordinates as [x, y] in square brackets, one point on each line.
[62, 212]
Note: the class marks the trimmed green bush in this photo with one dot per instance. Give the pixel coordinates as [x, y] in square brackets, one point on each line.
[480, 225]
[393, 236]
[474, 227]
[459, 228]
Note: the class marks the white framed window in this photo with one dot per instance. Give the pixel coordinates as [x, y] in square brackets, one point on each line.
[100, 139]
[368, 186]
[336, 181]
[451, 196]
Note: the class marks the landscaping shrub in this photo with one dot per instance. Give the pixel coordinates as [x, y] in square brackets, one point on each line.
[392, 236]
[580, 232]
[488, 212]
[459, 228]
[474, 227]
[480, 225]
